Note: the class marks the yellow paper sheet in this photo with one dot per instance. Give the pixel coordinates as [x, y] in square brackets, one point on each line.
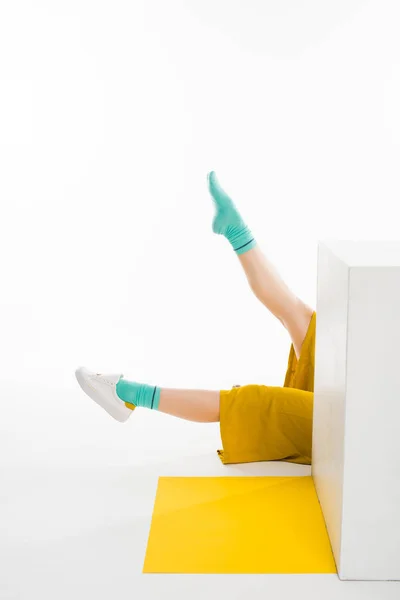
[238, 525]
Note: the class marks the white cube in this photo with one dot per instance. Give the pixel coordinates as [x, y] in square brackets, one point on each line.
[356, 428]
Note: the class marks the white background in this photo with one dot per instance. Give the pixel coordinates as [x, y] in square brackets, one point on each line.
[111, 114]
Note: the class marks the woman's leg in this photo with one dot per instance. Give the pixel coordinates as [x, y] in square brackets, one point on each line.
[273, 292]
[193, 405]
[120, 396]
[263, 278]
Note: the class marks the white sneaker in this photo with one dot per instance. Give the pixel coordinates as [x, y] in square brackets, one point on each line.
[101, 389]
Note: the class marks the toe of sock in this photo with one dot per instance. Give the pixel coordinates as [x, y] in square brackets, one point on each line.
[217, 192]
[211, 180]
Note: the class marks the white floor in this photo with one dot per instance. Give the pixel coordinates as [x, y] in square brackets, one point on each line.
[76, 498]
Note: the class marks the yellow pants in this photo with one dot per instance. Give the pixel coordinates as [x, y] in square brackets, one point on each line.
[260, 422]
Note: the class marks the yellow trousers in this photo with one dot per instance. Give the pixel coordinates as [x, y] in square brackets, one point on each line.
[260, 422]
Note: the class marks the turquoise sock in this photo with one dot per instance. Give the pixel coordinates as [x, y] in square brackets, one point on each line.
[138, 394]
[227, 220]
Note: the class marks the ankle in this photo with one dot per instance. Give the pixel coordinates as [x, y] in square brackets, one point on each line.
[138, 394]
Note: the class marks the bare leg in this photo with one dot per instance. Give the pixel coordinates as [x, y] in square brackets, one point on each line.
[273, 292]
[264, 280]
[193, 405]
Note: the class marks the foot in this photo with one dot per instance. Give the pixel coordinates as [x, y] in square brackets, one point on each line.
[101, 389]
[227, 220]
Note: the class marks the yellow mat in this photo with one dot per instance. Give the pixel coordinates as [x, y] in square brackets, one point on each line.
[238, 525]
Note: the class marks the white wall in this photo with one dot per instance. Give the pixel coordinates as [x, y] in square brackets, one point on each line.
[111, 114]
[330, 390]
[356, 446]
